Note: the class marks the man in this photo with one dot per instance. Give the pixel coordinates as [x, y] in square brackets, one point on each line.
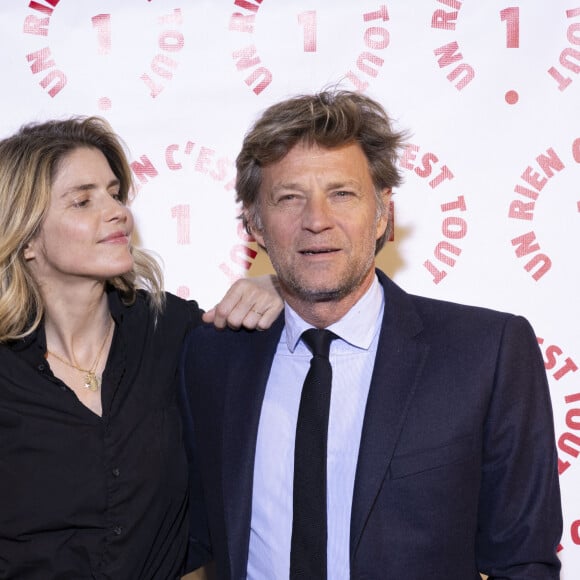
[439, 460]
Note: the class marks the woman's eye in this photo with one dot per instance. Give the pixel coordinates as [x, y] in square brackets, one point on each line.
[80, 202]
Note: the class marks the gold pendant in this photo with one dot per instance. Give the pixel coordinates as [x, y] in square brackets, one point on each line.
[91, 382]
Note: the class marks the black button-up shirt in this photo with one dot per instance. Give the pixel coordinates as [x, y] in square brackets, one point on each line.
[83, 496]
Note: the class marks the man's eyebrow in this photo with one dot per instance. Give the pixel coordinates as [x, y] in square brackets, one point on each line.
[287, 186]
[343, 183]
[293, 186]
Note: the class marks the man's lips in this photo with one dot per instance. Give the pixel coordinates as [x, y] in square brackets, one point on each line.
[318, 251]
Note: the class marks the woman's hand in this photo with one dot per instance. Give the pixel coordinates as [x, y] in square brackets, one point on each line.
[250, 302]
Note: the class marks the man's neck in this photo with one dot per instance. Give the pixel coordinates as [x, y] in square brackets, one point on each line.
[324, 313]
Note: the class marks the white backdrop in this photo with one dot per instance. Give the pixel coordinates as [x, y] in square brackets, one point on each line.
[490, 210]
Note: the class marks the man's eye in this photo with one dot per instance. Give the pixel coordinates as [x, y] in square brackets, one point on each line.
[287, 197]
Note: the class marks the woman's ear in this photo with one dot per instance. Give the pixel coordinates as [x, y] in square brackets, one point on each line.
[29, 251]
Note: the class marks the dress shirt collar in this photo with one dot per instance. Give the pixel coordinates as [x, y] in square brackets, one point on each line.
[357, 327]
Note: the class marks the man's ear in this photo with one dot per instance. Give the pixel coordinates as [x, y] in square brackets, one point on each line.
[249, 219]
[384, 218]
[258, 237]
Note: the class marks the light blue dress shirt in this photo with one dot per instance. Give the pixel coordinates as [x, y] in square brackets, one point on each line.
[352, 358]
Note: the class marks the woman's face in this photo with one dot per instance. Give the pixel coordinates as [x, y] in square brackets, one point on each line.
[87, 231]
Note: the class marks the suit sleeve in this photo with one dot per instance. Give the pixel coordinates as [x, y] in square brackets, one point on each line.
[520, 516]
[199, 545]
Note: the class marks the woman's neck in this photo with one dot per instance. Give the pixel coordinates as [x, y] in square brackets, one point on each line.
[76, 319]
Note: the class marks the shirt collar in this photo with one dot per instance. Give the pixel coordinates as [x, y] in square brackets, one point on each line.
[357, 327]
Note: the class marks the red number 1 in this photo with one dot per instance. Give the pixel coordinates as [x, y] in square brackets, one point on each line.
[308, 21]
[102, 24]
[512, 17]
[181, 214]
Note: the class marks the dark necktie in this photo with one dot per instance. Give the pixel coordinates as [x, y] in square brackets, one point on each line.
[308, 549]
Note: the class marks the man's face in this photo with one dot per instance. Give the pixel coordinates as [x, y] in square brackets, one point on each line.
[320, 222]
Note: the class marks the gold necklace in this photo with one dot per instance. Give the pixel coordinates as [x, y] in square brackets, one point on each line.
[92, 382]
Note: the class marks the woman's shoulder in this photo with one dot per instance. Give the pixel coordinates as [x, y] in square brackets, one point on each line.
[170, 309]
[177, 304]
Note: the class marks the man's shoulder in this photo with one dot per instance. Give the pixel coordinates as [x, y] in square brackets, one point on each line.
[439, 307]
[211, 354]
[207, 336]
[428, 304]
[445, 315]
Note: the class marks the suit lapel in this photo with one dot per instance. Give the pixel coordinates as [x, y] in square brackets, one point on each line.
[398, 366]
[246, 379]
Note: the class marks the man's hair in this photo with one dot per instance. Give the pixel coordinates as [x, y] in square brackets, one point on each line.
[29, 163]
[326, 119]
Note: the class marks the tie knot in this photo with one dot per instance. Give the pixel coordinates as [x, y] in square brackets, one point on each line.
[318, 341]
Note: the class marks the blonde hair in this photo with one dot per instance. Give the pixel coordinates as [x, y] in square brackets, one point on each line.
[29, 162]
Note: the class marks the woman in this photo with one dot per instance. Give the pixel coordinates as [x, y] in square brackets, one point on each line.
[92, 473]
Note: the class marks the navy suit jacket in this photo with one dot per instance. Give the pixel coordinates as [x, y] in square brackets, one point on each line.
[457, 468]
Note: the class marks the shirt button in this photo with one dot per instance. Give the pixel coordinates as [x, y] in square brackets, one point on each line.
[117, 530]
[116, 472]
[41, 367]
